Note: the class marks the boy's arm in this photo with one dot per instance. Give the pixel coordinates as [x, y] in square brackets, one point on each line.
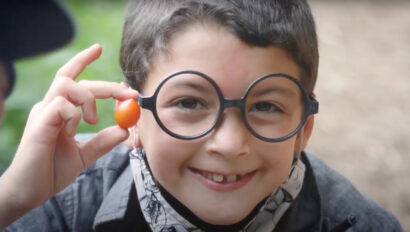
[48, 157]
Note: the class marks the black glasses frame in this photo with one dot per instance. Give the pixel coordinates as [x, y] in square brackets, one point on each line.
[311, 105]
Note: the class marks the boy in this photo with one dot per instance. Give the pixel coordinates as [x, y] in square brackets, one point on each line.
[230, 88]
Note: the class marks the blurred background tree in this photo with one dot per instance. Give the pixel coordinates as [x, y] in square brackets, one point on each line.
[96, 22]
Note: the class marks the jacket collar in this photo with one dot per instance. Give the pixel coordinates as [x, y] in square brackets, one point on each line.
[305, 213]
[115, 204]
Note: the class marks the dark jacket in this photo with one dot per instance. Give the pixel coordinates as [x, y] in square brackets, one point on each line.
[103, 198]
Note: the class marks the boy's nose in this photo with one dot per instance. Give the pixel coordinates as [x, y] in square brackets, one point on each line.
[230, 137]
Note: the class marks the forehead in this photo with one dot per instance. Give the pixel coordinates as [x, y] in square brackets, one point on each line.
[212, 50]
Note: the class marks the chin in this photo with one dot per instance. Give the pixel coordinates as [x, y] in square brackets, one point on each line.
[226, 216]
[224, 220]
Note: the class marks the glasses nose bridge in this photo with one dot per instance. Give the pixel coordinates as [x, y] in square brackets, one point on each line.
[226, 103]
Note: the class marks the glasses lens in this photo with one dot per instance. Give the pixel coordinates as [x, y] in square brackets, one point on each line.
[274, 107]
[188, 104]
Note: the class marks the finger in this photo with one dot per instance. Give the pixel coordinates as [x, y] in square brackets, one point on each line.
[60, 113]
[102, 143]
[54, 117]
[76, 94]
[104, 89]
[77, 64]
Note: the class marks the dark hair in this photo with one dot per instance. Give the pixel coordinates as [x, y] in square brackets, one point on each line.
[150, 24]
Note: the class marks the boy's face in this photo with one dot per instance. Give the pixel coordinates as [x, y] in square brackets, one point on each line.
[188, 168]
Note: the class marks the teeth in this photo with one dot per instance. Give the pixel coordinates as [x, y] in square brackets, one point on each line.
[221, 178]
[217, 177]
[231, 178]
[207, 175]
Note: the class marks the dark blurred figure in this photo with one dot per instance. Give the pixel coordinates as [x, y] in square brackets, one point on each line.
[29, 28]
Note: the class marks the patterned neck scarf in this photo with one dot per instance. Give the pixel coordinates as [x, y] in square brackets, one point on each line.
[162, 216]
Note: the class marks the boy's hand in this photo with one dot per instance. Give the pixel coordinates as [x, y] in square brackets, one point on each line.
[48, 157]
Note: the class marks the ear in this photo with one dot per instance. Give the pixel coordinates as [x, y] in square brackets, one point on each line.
[305, 134]
[134, 139]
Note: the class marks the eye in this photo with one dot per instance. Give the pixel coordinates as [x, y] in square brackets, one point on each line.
[265, 107]
[189, 104]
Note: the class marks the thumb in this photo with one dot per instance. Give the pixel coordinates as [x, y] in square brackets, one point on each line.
[102, 143]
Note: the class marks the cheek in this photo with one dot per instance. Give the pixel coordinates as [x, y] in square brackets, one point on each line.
[169, 161]
[277, 160]
[277, 152]
[167, 156]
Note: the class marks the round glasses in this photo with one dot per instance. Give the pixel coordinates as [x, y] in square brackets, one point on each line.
[189, 104]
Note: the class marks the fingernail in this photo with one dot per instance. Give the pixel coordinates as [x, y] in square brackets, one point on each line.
[125, 84]
[133, 91]
[94, 46]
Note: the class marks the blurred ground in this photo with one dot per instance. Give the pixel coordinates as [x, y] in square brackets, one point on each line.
[363, 127]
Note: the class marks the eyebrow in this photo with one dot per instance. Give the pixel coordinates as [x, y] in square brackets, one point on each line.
[283, 91]
[194, 86]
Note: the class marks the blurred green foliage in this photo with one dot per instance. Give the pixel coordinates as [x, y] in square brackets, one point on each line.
[96, 22]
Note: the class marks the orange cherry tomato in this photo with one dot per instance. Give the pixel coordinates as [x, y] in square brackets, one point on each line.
[127, 113]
